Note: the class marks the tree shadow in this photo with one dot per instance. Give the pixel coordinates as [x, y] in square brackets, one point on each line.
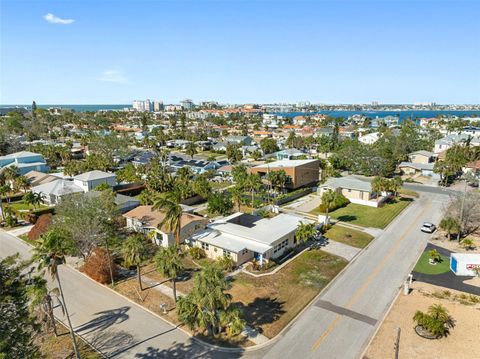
[347, 218]
[261, 311]
[104, 320]
[187, 350]
[110, 340]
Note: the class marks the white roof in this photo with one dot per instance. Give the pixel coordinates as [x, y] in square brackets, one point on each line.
[473, 258]
[59, 187]
[20, 154]
[93, 175]
[285, 163]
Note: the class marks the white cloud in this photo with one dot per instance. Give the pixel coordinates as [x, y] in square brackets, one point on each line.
[114, 76]
[57, 20]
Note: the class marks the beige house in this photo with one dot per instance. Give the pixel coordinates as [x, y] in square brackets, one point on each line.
[144, 219]
[422, 157]
[244, 237]
[355, 190]
[299, 172]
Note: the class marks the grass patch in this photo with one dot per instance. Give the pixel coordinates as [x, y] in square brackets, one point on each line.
[408, 192]
[349, 236]
[61, 346]
[24, 237]
[423, 266]
[269, 303]
[22, 206]
[220, 185]
[369, 216]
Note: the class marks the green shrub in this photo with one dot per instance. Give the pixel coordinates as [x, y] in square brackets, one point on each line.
[197, 253]
[340, 201]
[226, 263]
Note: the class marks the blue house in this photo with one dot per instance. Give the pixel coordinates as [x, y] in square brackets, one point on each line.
[25, 162]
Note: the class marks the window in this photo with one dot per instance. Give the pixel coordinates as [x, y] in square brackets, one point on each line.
[226, 253]
[205, 246]
[245, 251]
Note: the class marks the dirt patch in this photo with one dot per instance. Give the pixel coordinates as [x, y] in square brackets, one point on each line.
[462, 343]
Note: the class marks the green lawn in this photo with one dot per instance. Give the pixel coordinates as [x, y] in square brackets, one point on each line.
[369, 216]
[423, 266]
[24, 237]
[408, 192]
[349, 236]
[220, 185]
[22, 206]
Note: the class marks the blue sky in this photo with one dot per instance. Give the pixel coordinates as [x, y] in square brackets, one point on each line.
[84, 51]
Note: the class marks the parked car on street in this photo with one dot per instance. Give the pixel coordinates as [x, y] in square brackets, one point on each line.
[428, 227]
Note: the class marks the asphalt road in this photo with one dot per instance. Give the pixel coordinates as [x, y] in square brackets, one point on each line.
[338, 325]
[343, 319]
[112, 324]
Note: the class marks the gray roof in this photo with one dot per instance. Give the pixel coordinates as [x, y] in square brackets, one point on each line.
[417, 166]
[423, 153]
[20, 155]
[93, 175]
[348, 182]
[119, 198]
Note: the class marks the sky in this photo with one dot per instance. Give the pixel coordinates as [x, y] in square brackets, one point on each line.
[233, 51]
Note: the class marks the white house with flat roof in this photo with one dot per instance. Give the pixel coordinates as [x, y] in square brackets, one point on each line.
[244, 237]
[90, 180]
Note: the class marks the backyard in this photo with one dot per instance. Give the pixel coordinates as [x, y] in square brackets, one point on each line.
[269, 303]
[369, 216]
[349, 236]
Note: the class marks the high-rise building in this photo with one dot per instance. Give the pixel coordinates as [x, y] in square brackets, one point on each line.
[143, 106]
[187, 104]
[158, 106]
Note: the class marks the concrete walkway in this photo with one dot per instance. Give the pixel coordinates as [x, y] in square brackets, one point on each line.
[18, 231]
[341, 250]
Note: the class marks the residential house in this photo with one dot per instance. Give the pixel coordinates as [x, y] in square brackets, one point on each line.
[355, 190]
[422, 157]
[123, 203]
[90, 180]
[55, 190]
[24, 161]
[370, 138]
[288, 154]
[244, 237]
[421, 169]
[473, 168]
[144, 219]
[240, 140]
[36, 178]
[449, 141]
[299, 173]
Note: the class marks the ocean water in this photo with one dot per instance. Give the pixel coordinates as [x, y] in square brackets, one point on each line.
[372, 114]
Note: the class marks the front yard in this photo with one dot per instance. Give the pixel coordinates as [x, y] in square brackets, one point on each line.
[269, 303]
[349, 236]
[369, 216]
[423, 265]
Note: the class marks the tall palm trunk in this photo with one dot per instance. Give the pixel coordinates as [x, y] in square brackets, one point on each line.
[110, 263]
[48, 303]
[75, 347]
[139, 277]
[174, 285]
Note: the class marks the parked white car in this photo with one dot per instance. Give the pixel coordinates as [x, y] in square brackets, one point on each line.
[428, 227]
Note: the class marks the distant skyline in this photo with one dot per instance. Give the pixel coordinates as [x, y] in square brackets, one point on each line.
[112, 52]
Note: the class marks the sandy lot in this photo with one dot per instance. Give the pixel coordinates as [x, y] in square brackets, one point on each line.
[462, 343]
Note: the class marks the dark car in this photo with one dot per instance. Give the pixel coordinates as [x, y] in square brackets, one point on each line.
[428, 227]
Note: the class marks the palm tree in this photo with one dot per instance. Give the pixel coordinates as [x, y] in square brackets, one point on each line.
[22, 182]
[449, 224]
[328, 199]
[253, 183]
[191, 149]
[168, 261]
[231, 320]
[42, 300]
[4, 189]
[53, 247]
[29, 198]
[237, 196]
[397, 183]
[437, 320]
[468, 243]
[173, 215]
[134, 251]
[305, 231]
[378, 185]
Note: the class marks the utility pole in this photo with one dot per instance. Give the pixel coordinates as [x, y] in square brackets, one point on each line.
[397, 343]
[461, 209]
